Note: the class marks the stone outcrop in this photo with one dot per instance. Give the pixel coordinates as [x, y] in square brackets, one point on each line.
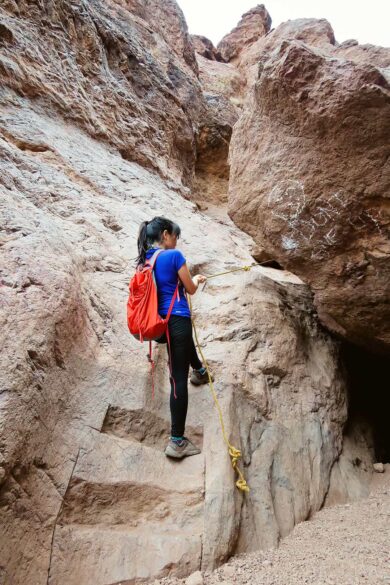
[310, 181]
[254, 24]
[212, 169]
[369, 54]
[204, 47]
[96, 97]
[317, 33]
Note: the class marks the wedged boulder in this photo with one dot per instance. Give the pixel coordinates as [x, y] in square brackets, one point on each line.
[221, 78]
[310, 180]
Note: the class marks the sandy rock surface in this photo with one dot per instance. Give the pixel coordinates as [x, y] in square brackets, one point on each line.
[344, 545]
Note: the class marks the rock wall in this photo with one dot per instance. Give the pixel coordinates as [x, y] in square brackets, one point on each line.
[116, 69]
[86, 493]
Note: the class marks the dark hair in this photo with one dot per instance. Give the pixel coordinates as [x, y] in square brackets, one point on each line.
[151, 232]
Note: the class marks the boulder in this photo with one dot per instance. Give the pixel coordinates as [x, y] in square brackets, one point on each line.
[310, 181]
[221, 78]
[204, 47]
[315, 32]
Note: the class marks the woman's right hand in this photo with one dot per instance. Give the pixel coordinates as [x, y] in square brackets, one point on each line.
[199, 279]
[190, 283]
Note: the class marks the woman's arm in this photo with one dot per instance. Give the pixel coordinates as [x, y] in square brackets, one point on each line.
[189, 283]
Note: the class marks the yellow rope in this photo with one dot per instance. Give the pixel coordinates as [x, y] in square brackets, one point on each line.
[234, 453]
[246, 268]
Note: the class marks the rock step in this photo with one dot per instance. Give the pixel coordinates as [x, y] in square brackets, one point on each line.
[112, 461]
[143, 426]
[127, 504]
[102, 556]
[136, 511]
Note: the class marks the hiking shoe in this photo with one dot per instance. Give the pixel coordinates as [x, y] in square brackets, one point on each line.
[180, 449]
[199, 377]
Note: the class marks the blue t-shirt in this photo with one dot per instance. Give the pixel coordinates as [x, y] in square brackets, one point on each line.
[167, 265]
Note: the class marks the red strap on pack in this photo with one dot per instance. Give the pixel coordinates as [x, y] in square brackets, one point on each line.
[169, 339]
[172, 303]
[170, 363]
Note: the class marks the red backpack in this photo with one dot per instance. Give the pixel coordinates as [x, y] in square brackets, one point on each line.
[143, 319]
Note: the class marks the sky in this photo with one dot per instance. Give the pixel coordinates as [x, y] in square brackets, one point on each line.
[368, 22]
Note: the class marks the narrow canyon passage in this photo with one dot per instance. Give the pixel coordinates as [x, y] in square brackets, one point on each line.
[369, 397]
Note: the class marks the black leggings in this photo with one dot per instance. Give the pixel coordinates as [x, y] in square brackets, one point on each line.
[183, 353]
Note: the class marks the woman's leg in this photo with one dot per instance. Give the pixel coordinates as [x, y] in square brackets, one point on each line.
[180, 333]
[195, 362]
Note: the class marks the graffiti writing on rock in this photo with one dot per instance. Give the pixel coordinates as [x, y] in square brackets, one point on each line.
[318, 225]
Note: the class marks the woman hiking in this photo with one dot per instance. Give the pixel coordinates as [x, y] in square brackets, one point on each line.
[169, 269]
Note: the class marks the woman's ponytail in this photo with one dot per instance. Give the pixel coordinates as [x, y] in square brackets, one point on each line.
[142, 243]
[151, 233]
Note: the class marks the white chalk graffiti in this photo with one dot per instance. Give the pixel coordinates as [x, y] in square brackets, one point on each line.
[316, 225]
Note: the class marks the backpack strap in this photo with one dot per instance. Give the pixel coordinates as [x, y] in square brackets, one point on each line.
[152, 364]
[152, 261]
[172, 302]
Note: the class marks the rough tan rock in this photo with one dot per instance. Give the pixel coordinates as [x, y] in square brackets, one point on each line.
[75, 453]
[222, 91]
[204, 47]
[194, 579]
[221, 78]
[124, 72]
[369, 54]
[315, 32]
[310, 186]
[213, 140]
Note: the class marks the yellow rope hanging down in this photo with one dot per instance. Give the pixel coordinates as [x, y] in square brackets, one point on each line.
[234, 453]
